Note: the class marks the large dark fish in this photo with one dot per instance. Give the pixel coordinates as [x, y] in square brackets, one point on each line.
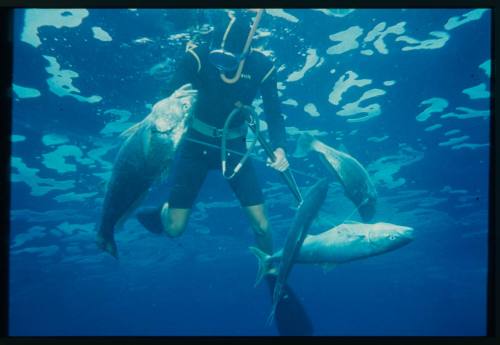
[298, 232]
[355, 179]
[343, 243]
[145, 154]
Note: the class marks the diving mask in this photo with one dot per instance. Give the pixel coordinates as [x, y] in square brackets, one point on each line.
[225, 60]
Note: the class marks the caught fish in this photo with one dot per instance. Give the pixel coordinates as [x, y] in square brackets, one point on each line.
[303, 219]
[357, 183]
[343, 243]
[145, 154]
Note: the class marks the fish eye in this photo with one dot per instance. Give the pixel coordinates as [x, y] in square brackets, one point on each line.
[392, 237]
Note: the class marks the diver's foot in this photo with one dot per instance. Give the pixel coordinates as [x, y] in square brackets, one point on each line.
[107, 244]
[150, 218]
[290, 316]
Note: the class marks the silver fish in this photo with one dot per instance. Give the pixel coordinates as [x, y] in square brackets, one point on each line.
[353, 176]
[303, 219]
[145, 154]
[343, 243]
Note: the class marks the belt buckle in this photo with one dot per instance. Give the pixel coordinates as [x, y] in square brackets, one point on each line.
[216, 132]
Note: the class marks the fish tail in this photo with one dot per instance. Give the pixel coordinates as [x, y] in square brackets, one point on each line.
[264, 264]
[105, 240]
[304, 145]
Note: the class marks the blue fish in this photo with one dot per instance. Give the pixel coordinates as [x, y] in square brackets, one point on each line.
[298, 232]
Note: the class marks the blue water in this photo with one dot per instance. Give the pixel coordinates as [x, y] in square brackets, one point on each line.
[202, 283]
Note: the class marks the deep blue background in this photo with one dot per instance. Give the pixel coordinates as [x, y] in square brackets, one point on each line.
[434, 286]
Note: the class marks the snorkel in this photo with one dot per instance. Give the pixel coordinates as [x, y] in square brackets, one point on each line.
[227, 61]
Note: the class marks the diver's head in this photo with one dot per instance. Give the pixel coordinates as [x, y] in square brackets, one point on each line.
[229, 46]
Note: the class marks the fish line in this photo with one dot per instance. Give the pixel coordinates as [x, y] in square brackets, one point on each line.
[256, 157]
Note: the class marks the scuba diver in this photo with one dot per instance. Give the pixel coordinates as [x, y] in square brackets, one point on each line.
[228, 74]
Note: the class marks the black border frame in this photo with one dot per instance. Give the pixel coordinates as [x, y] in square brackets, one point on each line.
[6, 24]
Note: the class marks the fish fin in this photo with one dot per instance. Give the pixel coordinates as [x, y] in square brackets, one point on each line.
[106, 243]
[264, 264]
[185, 87]
[131, 130]
[328, 267]
[304, 143]
[290, 316]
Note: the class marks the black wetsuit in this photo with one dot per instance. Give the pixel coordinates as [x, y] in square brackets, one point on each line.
[216, 100]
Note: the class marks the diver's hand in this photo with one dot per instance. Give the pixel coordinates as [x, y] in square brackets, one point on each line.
[281, 163]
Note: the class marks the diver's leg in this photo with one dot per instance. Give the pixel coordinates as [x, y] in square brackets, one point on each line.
[188, 174]
[174, 220]
[245, 186]
[291, 317]
[164, 219]
[260, 225]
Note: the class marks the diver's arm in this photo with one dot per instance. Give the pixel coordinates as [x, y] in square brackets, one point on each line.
[272, 110]
[275, 120]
